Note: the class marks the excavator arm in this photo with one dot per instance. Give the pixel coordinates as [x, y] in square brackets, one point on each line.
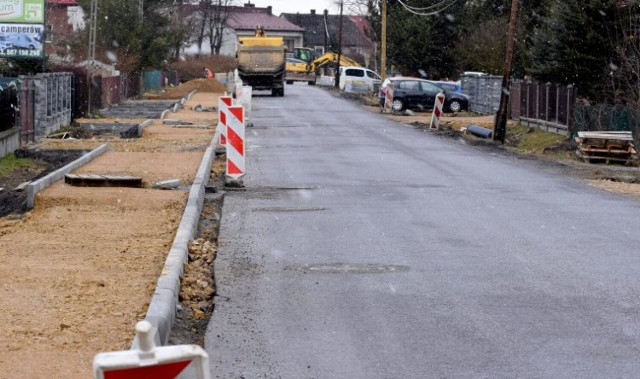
[333, 57]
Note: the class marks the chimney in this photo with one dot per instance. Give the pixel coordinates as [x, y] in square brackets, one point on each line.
[313, 11]
[249, 5]
[269, 10]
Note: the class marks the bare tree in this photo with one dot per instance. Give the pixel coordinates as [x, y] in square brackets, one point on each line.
[625, 68]
[212, 21]
[217, 23]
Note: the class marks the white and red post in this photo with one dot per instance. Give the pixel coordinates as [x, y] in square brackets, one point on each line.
[224, 102]
[236, 166]
[151, 361]
[388, 98]
[437, 112]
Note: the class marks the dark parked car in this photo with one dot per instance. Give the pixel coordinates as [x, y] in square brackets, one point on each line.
[421, 94]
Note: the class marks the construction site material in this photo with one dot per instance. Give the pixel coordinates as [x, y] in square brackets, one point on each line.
[479, 131]
[87, 180]
[167, 184]
[607, 147]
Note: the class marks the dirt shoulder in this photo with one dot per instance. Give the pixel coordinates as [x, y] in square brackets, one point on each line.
[77, 272]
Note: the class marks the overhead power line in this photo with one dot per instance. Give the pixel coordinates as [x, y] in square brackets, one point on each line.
[430, 10]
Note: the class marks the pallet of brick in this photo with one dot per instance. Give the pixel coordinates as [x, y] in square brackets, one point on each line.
[606, 147]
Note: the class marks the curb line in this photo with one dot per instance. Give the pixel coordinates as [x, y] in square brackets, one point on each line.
[46, 181]
[162, 308]
[142, 126]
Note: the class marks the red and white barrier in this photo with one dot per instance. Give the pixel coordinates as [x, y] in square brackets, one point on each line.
[247, 94]
[150, 361]
[388, 98]
[235, 142]
[224, 102]
[437, 112]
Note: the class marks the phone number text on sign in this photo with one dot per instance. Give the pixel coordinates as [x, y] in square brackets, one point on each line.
[21, 53]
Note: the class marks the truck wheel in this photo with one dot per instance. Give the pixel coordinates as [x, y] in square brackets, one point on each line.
[281, 92]
[274, 92]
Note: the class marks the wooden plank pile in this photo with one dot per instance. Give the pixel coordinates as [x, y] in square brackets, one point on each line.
[606, 147]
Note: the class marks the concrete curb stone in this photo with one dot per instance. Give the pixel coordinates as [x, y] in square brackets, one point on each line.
[34, 188]
[164, 301]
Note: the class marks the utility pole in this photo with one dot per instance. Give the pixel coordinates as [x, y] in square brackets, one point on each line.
[91, 54]
[500, 128]
[339, 46]
[383, 42]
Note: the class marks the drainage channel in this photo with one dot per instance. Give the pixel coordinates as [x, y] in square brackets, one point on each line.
[197, 287]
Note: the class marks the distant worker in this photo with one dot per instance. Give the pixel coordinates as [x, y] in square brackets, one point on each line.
[259, 31]
[206, 73]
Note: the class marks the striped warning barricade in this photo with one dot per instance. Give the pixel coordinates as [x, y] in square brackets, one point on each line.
[235, 142]
[247, 94]
[388, 98]
[151, 361]
[224, 102]
[437, 112]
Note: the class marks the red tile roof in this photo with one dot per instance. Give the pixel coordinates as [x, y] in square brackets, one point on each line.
[247, 18]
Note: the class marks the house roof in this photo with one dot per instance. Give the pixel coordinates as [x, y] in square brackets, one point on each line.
[315, 31]
[63, 2]
[362, 24]
[247, 18]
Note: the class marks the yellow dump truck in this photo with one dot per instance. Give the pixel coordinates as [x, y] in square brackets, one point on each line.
[261, 62]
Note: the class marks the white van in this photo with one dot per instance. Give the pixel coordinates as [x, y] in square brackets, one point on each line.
[358, 79]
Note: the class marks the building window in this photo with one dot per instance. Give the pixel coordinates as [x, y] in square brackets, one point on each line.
[289, 43]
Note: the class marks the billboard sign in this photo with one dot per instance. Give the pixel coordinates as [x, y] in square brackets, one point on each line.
[22, 11]
[21, 41]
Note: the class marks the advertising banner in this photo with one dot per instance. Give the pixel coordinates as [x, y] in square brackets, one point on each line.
[21, 41]
[22, 11]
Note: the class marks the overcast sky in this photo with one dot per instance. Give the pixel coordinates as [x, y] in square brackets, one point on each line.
[295, 6]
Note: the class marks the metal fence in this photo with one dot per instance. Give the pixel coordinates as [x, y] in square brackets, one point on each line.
[604, 117]
[547, 106]
[484, 92]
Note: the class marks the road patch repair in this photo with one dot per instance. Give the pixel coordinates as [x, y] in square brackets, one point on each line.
[81, 268]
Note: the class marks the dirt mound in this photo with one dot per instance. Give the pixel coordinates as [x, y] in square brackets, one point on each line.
[201, 85]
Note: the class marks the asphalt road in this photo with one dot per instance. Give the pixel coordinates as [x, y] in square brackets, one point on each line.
[362, 248]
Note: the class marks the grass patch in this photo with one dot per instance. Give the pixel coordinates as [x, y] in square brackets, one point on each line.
[10, 163]
[532, 140]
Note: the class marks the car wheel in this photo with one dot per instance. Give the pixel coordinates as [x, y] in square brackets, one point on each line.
[455, 106]
[397, 105]
[289, 81]
[312, 83]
